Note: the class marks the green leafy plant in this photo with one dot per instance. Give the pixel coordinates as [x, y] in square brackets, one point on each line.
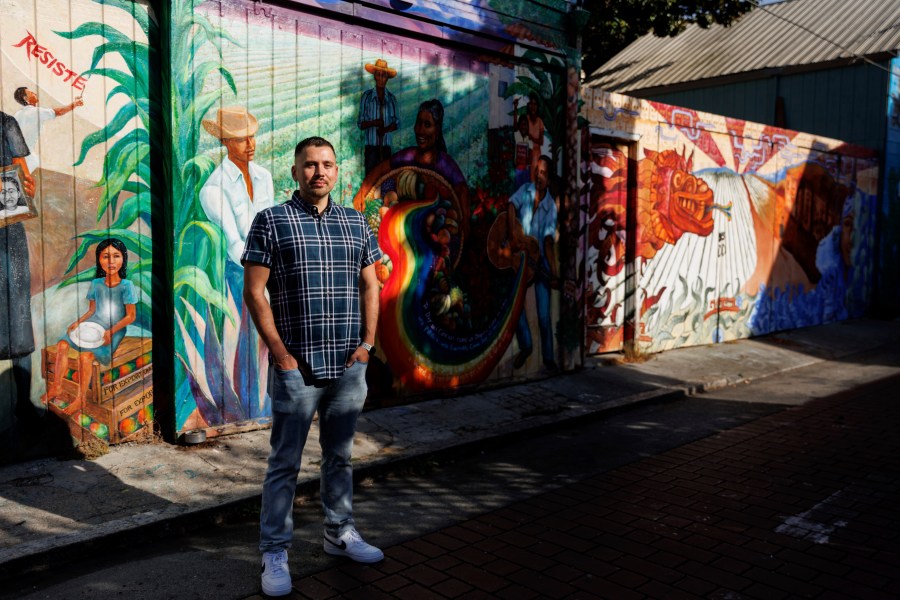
[127, 195]
[199, 244]
[205, 310]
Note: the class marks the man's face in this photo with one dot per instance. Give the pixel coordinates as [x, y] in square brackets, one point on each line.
[315, 170]
[31, 98]
[541, 177]
[381, 78]
[532, 107]
[240, 150]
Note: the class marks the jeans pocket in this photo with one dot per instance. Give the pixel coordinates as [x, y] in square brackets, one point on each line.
[288, 390]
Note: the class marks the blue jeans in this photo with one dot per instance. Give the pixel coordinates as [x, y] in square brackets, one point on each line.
[295, 399]
[523, 332]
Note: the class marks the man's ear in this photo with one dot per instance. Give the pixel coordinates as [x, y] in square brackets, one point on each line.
[294, 172]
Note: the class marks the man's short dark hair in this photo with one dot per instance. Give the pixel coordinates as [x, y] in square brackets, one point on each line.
[314, 141]
[548, 162]
[19, 95]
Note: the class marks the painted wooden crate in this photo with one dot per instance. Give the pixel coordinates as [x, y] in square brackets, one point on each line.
[118, 406]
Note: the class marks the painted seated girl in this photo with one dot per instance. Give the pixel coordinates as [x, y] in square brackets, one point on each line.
[97, 333]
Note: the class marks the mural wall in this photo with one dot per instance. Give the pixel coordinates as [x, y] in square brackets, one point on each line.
[455, 157]
[688, 228]
[888, 275]
[740, 229]
[75, 349]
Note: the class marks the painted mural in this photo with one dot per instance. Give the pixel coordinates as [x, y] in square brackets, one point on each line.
[606, 176]
[75, 351]
[740, 229]
[453, 157]
[888, 279]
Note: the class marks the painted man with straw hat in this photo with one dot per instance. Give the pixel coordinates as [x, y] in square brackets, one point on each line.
[379, 114]
[235, 191]
[238, 188]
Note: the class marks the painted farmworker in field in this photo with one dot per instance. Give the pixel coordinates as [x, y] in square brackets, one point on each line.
[16, 336]
[236, 191]
[379, 115]
[31, 119]
[238, 188]
[317, 261]
[97, 333]
[536, 212]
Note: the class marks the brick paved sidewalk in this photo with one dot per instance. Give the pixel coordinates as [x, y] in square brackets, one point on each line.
[802, 503]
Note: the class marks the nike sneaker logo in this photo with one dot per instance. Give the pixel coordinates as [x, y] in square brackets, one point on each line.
[342, 545]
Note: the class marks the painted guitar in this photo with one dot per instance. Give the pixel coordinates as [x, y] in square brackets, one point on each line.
[500, 251]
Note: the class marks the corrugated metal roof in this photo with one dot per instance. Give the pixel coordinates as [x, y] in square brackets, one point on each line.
[768, 37]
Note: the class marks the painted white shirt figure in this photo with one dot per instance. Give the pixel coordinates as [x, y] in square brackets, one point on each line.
[232, 195]
[226, 202]
[31, 119]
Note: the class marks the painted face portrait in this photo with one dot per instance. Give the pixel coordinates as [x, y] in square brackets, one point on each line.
[10, 194]
[426, 130]
[381, 78]
[241, 149]
[541, 176]
[523, 126]
[110, 260]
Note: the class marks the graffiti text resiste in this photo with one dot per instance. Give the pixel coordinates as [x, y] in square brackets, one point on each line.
[42, 53]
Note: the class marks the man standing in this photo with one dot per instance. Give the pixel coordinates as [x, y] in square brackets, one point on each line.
[32, 117]
[317, 259]
[536, 212]
[379, 116]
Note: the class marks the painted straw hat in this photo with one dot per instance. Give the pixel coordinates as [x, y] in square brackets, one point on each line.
[381, 65]
[232, 122]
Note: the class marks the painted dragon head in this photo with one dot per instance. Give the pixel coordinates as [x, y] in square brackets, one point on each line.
[684, 201]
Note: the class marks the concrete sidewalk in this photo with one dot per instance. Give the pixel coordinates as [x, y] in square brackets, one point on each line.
[797, 503]
[50, 507]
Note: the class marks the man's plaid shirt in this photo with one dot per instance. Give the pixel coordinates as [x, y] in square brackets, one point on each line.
[315, 263]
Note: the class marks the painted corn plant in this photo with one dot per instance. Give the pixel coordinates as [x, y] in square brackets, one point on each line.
[127, 195]
[204, 316]
[204, 308]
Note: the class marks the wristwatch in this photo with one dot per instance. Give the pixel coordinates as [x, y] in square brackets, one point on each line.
[369, 347]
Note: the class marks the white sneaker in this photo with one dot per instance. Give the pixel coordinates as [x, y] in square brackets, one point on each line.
[351, 545]
[276, 578]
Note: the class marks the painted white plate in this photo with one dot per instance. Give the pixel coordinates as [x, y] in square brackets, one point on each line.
[88, 335]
